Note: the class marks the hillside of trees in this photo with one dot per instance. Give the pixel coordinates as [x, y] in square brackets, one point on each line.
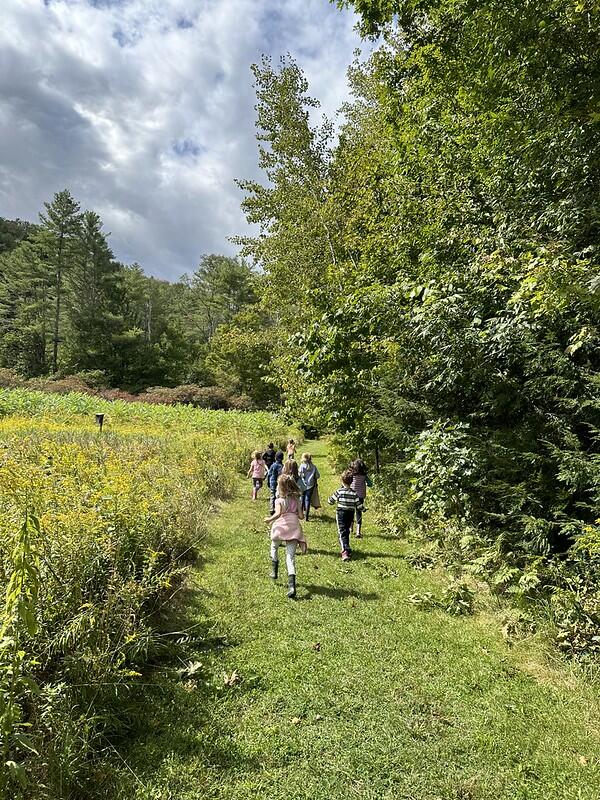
[67, 307]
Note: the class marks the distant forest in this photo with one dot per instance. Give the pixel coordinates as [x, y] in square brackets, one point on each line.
[69, 308]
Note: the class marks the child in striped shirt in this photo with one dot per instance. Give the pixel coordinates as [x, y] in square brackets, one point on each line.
[348, 502]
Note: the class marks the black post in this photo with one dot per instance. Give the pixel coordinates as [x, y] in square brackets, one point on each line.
[100, 421]
[377, 465]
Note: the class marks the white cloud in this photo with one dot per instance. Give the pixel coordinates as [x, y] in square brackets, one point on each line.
[144, 110]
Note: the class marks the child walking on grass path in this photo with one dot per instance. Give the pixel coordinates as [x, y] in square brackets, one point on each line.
[269, 455]
[257, 471]
[310, 475]
[273, 476]
[359, 483]
[347, 503]
[286, 530]
[291, 468]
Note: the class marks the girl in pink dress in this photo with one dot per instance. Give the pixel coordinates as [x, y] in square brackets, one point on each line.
[286, 530]
[257, 471]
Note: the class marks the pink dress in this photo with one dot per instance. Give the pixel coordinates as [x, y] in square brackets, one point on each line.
[258, 469]
[286, 528]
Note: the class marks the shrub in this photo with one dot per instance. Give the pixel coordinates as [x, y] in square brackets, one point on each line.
[213, 397]
[576, 616]
[9, 379]
[93, 378]
[118, 394]
[59, 385]
[442, 469]
[93, 382]
[458, 599]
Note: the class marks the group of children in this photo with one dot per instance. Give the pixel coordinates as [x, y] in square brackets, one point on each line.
[294, 491]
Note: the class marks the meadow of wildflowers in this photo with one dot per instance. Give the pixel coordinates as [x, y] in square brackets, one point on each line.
[97, 532]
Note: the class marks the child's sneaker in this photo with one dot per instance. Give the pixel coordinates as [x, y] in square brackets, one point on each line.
[345, 555]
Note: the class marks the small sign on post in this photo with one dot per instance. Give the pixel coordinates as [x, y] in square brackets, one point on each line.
[100, 421]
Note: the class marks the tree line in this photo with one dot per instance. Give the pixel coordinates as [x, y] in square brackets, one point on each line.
[439, 260]
[67, 306]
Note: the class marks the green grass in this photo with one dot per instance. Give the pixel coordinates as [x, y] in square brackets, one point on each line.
[351, 691]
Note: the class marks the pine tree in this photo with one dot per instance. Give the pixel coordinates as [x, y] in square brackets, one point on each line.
[60, 242]
[92, 313]
[25, 310]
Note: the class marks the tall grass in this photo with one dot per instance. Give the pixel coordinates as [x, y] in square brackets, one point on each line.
[97, 531]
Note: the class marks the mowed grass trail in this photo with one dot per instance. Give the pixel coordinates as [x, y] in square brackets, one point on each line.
[351, 691]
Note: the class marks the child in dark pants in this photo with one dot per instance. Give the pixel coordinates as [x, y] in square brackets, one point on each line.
[348, 502]
[359, 484]
[273, 474]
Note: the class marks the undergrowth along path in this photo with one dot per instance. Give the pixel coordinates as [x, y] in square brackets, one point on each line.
[351, 691]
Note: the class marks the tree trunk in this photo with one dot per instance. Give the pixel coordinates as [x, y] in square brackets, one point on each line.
[148, 325]
[58, 299]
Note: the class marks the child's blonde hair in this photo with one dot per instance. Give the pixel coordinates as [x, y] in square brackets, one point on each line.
[286, 486]
[306, 457]
[291, 468]
[257, 455]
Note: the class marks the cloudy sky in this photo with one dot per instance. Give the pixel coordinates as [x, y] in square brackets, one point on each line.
[144, 110]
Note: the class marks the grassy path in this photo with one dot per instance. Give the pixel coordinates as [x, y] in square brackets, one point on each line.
[351, 692]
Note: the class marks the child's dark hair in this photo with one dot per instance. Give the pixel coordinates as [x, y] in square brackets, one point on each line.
[279, 455]
[270, 445]
[347, 477]
[359, 467]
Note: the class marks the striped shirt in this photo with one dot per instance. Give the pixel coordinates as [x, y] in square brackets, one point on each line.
[360, 483]
[346, 499]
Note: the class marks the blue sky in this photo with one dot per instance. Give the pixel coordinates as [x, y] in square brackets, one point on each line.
[144, 110]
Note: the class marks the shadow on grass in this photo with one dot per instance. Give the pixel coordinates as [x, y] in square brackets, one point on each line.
[357, 555]
[329, 519]
[310, 590]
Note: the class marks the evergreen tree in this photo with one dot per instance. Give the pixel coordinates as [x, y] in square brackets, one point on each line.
[59, 241]
[13, 231]
[66, 304]
[25, 310]
[92, 286]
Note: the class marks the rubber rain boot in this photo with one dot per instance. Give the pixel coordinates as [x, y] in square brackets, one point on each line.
[274, 569]
[291, 593]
